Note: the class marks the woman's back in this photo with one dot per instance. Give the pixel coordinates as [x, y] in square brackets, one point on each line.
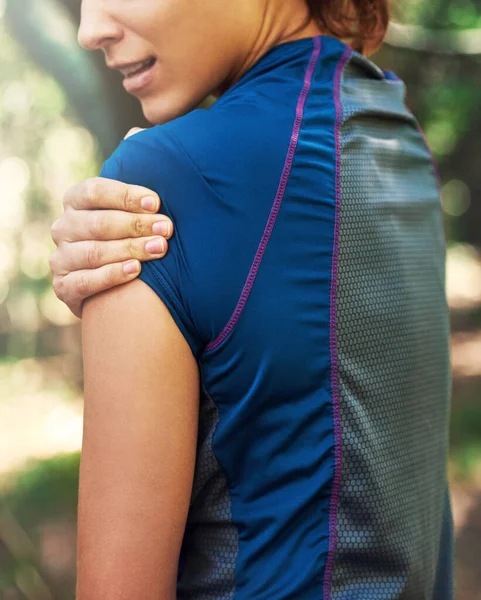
[316, 309]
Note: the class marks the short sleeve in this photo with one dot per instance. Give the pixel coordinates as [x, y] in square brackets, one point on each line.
[156, 160]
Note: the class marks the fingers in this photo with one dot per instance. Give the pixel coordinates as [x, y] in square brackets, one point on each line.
[133, 131]
[93, 254]
[94, 245]
[99, 192]
[77, 225]
[78, 285]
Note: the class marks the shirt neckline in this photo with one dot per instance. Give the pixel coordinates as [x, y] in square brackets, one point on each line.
[277, 55]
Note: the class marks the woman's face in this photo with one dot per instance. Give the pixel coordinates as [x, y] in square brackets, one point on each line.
[172, 53]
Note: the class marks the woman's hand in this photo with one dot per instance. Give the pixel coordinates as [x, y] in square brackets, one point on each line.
[95, 247]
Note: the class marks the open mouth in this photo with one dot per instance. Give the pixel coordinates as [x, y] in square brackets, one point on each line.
[138, 68]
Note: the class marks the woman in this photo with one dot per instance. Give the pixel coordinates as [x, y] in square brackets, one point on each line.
[267, 417]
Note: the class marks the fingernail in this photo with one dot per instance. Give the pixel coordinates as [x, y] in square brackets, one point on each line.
[155, 246]
[149, 203]
[131, 267]
[162, 228]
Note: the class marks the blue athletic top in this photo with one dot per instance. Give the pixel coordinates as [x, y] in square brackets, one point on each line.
[307, 275]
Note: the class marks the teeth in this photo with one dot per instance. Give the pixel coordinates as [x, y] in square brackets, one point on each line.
[128, 71]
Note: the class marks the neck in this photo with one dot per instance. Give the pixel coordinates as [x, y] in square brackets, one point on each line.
[294, 24]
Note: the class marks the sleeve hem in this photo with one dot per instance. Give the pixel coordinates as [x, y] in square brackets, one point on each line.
[161, 287]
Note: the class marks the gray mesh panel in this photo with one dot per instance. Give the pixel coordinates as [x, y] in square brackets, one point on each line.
[211, 539]
[393, 350]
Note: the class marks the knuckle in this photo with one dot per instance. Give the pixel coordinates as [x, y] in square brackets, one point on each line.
[69, 196]
[138, 226]
[84, 286]
[55, 231]
[91, 190]
[59, 287]
[129, 203]
[133, 131]
[94, 256]
[96, 223]
[53, 261]
[110, 278]
[133, 249]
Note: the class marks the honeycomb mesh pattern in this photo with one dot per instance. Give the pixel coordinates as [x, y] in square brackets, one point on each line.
[392, 332]
[211, 539]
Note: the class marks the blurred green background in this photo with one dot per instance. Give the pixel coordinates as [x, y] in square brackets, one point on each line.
[61, 114]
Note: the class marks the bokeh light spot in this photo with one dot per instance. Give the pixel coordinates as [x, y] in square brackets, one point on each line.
[456, 198]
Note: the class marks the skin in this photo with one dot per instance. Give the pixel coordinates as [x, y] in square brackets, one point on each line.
[138, 449]
[88, 258]
[141, 380]
[99, 249]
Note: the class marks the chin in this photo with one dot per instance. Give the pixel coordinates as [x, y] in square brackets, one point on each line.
[154, 114]
[161, 108]
[158, 110]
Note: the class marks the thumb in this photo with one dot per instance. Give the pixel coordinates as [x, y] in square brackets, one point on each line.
[133, 131]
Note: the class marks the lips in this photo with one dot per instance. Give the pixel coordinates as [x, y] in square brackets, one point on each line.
[138, 76]
[137, 68]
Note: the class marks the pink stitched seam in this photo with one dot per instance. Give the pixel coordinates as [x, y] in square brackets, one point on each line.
[277, 201]
[336, 485]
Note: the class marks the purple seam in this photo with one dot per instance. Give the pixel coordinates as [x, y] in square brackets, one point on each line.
[277, 201]
[336, 485]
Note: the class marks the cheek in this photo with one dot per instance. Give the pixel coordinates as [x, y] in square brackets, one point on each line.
[182, 31]
[189, 68]
[164, 23]
[195, 48]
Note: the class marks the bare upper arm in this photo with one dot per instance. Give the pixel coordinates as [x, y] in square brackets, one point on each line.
[139, 443]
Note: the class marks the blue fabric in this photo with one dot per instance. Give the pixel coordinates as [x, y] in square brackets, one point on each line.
[259, 524]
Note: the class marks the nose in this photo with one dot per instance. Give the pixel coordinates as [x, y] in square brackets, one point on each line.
[97, 28]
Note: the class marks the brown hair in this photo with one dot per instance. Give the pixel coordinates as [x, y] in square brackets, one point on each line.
[361, 23]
